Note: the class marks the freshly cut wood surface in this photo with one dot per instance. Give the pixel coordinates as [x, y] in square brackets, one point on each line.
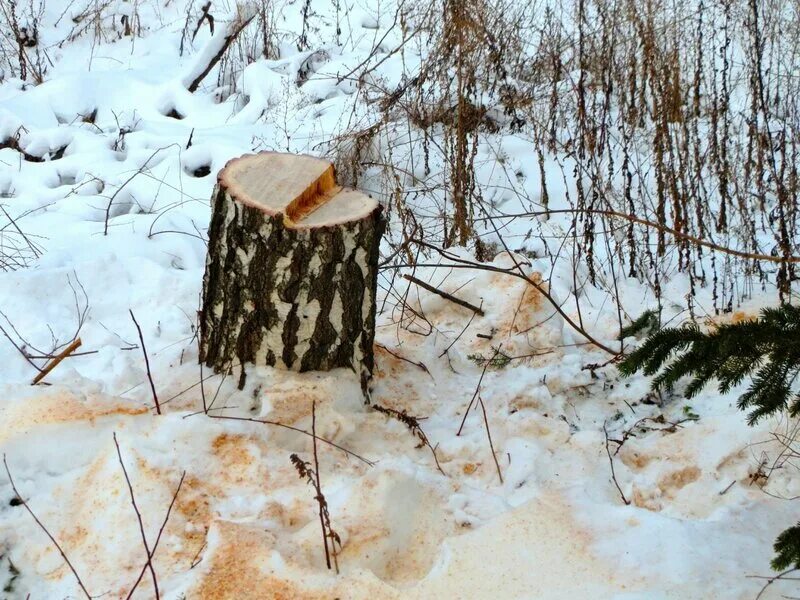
[297, 186]
[292, 268]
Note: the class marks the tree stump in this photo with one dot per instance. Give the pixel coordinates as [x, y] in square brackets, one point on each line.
[292, 268]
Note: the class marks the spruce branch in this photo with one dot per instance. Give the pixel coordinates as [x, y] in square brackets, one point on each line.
[766, 349]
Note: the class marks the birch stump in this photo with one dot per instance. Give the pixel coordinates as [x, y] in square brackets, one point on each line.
[292, 269]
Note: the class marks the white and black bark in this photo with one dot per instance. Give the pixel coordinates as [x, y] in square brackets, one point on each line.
[291, 279]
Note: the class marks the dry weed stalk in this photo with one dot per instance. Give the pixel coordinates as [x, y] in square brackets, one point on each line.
[311, 475]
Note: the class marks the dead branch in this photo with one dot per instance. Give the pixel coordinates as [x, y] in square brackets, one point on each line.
[652, 225]
[458, 337]
[43, 528]
[296, 429]
[445, 295]
[147, 363]
[462, 263]
[783, 576]
[55, 362]
[139, 171]
[18, 347]
[204, 16]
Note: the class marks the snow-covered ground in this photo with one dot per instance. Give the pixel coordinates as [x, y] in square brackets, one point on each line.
[116, 213]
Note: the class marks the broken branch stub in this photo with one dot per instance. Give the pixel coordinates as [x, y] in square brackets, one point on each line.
[292, 268]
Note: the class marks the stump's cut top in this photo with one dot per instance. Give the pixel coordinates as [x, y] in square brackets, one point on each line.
[300, 187]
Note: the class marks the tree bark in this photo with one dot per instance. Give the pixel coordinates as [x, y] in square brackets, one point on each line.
[290, 278]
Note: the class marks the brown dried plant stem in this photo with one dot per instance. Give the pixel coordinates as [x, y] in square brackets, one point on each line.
[43, 528]
[319, 490]
[413, 425]
[657, 226]
[55, 362]
[310, 473]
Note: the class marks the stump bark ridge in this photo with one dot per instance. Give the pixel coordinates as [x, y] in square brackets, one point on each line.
[292, 268]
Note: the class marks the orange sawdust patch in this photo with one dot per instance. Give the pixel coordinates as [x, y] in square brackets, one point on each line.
[525, 304]
[64, 407]
[679, 479]
[237, 569]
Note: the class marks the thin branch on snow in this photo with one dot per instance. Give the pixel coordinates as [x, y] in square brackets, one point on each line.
[147, 363]
[296, 429]
[477, 389]
[148, 553]
[489, 435]
[445, 295]
[152, 552]
[57, 360]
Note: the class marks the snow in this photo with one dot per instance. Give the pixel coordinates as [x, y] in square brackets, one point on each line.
[244, 524]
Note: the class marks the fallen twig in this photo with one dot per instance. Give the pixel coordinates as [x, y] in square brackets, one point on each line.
[421, 365]
[458, 337]
[467, 264]
[139, 171]
[773, 578]
[292, 428]
[445, 295]
[55, 362]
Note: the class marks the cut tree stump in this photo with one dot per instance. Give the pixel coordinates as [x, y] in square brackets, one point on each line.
[292, 269]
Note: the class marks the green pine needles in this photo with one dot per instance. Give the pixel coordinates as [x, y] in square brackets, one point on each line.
[767, 348]
[787, 549]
